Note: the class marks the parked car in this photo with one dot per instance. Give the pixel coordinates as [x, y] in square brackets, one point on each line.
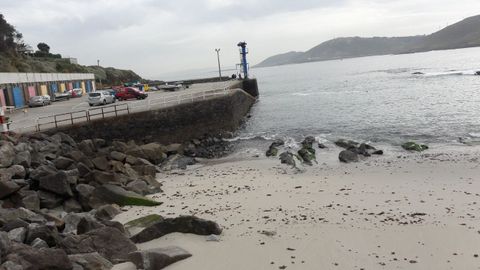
[100, 98]
[112, 92]
[76, 92]
[130, 92]
[61, 96]
[39, 101]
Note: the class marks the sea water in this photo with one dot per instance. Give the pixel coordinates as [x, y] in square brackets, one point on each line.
[431, 97]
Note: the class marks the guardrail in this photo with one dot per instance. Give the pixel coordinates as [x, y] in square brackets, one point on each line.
[71, 118]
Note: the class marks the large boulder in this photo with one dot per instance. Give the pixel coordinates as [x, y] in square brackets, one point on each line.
[17, 235]
[39, 259]
[413, 146]
[287, 158]
[87, 147]
[90, 261]
[49, 234]
[101, 163]
[142, 222]
[152, 152]
[308, 142]
[7, 154]
[49, 200]
[183, 224]
[23, 158]
[272, 151]
[107, 212]
[87, 224]
[108, 194]
[176, 162]
[118, 156]
[348, 156]
[158, 258]
[346, 143]
[138, 186]
[5, 245]
[107, 241]
[307, 155]
[62, 163]
[7, 188]
[84, 192]
[57, 183]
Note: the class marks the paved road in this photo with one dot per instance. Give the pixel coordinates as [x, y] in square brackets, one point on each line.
[25, 120]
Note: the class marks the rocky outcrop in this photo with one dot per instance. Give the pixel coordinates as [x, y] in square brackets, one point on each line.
[353, 150]
[183, 224]
[107, 241]
[158, 258]
[413, 146]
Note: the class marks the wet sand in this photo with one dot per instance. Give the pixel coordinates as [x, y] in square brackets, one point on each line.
[399, 211]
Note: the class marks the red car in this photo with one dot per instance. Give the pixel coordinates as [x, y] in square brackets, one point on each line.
[130, 93]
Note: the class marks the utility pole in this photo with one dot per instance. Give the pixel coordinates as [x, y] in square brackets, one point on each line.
[218, 60]
[98, 65]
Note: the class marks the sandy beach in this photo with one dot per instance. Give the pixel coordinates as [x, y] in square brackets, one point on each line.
[397, 211]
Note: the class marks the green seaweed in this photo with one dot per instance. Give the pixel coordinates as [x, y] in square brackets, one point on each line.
[144, 221]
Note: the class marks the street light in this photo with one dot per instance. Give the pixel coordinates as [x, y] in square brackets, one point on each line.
[218, 60]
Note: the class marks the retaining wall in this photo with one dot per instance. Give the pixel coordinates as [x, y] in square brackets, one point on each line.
[179, 123]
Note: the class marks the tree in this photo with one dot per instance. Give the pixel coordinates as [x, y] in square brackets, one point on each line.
[43, 47]
[8, 35]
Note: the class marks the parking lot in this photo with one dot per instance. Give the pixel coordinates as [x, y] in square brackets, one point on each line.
[26, 119]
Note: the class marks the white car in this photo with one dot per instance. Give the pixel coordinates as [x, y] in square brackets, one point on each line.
[100, 98]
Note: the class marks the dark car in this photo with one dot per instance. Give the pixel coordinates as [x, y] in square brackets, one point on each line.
[130, 93]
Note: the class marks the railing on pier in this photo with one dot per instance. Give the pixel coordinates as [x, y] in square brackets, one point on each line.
[71, 118]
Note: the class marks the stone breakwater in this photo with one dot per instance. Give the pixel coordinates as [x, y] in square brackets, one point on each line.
[58, 198]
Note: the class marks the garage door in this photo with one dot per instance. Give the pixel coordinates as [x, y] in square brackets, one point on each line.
[18, 97]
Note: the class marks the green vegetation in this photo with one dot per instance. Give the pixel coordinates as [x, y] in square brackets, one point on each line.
[145, 221]
[413, 146]
[16, 56]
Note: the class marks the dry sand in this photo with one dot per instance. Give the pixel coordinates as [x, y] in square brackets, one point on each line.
[398, 211]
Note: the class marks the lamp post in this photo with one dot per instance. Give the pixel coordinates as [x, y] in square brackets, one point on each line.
[218, 60]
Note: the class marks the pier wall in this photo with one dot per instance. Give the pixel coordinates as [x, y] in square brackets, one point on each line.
[176, 124]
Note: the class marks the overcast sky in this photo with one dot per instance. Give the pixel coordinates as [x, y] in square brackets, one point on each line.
[155, 37]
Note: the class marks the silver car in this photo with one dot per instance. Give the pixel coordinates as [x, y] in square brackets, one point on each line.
[100, 98]
[39, 101]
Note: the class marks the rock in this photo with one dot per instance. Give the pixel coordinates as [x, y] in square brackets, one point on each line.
[7, 154]
[23, 158]
[17, 171]
[107, 241]
[87, 147]
[101, 163]
[348, 156]
[84, 192]
[307, 155]
[103, 177]
[71, 221]
[124, 266]
[39, 243]
[412, 146]
[277, 143]
[17, 235]
[9, 265]
[115, 155]
[272, 151]
[64, 138]
[152, 152]
[17, 213]
[143, 222]
[62, 163]
[174, 148]
[42, 171]
[87, 224]
[322, 146]
[5, 244]
[49, 200]
[308, 142]
[7, 188]
[13, 224]
[346, 144]
[183, 224]
[377, 152]
[47, 233]
[108, 194]
[158, 258]
[44, 258]
[213, 238]
[107, 212]
[138, 186]
[131, 160]
[91, 261]
[71, 205]
[31, 201]
[287, 158]
[56, 183]
[176, 162]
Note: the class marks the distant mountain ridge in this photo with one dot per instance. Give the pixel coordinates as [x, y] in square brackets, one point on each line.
[463, 34]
